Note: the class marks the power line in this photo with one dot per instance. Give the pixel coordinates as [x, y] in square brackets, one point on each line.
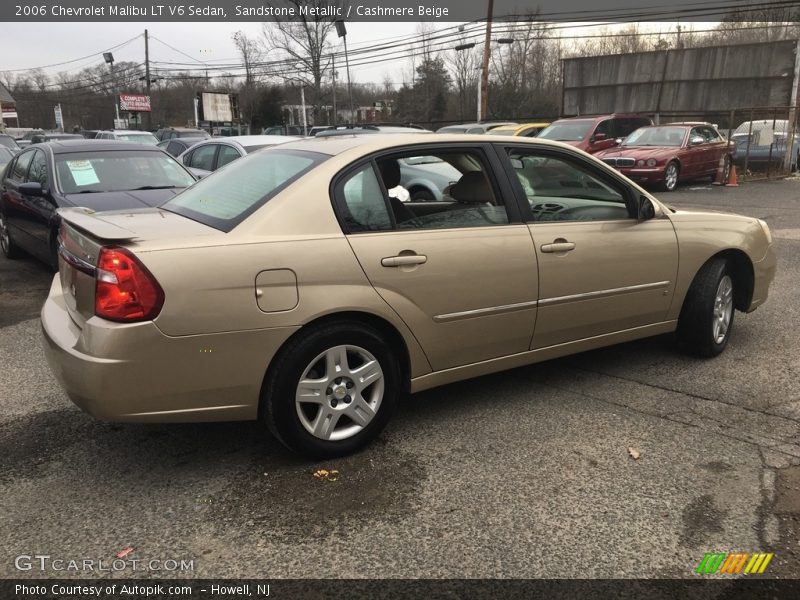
[67, 62]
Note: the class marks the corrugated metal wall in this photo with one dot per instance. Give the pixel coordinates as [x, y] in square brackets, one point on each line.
[694, 79]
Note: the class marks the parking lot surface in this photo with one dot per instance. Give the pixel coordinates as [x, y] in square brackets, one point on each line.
[527, 473]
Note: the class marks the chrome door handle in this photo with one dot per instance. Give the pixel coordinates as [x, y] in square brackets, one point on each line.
[559, 245]
[404, 260]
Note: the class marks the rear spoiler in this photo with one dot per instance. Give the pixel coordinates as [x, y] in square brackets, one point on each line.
[89, 222]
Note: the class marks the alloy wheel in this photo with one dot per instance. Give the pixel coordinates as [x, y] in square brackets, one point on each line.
[5, 239]
[723, 309]
[339, 393]
[671, 176]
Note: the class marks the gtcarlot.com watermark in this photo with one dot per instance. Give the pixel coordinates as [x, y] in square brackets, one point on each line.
[47, 563]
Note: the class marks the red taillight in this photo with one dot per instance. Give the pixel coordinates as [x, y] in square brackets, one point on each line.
[125, 290]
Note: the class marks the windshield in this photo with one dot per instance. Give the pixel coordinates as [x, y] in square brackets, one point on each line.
[229, 196]
[452, 130]
[119, 171]
[568, 131]
[656, 136]
[139, 138]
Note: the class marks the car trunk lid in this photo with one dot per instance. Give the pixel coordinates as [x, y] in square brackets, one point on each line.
[84, 233]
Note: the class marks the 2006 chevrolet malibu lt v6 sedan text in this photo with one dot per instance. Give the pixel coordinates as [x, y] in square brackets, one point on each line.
[292, 287]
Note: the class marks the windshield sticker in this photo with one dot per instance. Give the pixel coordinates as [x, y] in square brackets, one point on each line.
[82, 172]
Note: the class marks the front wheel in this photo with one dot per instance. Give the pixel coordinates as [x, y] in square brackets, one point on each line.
[670, 176]
[9, 248]
[331, 390]
[706, 319]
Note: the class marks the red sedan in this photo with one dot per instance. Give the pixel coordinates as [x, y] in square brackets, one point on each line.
[666, 154]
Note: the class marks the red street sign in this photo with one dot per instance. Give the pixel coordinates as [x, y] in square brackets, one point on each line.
[134, 102]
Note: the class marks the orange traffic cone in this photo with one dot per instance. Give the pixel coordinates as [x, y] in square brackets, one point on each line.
[732, 181]
[718, 180]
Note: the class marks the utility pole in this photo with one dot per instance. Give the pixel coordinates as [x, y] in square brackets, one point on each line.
[333, 73]
[484, 87]
[147, 77]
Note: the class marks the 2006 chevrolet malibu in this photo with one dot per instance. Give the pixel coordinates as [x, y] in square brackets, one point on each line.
[294, 287]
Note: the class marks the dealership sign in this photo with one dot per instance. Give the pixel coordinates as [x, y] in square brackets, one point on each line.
[9, 112]
[134, 102]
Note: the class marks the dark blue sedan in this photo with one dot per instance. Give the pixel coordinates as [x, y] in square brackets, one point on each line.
[99, 175]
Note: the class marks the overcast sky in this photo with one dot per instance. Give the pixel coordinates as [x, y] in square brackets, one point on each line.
[27, 45]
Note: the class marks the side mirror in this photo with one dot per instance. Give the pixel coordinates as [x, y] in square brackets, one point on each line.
[646, 209]
[618, 141]
[696, 140]
[31, 188]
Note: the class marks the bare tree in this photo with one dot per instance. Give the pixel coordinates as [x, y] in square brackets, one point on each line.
[250, 52]
[304, 43]
[464, 67]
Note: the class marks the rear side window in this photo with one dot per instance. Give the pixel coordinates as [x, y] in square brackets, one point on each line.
[228, 198]
[363, 206]
[227, 154]
[203, 157]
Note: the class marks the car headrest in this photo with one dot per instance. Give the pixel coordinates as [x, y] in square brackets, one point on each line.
[472, 188]
[390, 172]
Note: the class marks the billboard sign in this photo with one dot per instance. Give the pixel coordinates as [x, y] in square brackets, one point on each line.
[134, 102]
[216, 107]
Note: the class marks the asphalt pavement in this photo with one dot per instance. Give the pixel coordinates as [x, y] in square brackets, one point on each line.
[527, 473]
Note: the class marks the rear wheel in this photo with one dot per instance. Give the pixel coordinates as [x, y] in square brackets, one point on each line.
[670, 176]
[10, 249]
[706, 320]
[331, 390]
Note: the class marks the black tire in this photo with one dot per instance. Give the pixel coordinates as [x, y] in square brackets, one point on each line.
[696, 322]
[422, 195]
[9, 248]
[278, 407]
[668, 185]
[726, 171]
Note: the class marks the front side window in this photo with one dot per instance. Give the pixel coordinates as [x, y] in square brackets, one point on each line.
[228, 198]
[20, 168]
[606, 128]
[38, 169]
[558, 189]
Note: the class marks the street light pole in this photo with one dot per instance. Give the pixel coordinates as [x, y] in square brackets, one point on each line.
[341, 31]
[484, 87]
[109, 58]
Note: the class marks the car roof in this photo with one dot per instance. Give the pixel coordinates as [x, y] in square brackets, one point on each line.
[374, 142]
[127, 131]
[84, 145]
[252, 140]
[515, 127]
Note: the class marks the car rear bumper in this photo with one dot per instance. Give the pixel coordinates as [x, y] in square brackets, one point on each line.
[764, 273]
[133, 372]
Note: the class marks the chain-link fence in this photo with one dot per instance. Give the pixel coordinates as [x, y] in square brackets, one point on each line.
[767, 140]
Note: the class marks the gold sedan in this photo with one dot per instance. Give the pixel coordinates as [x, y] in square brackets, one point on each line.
[294, 286]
